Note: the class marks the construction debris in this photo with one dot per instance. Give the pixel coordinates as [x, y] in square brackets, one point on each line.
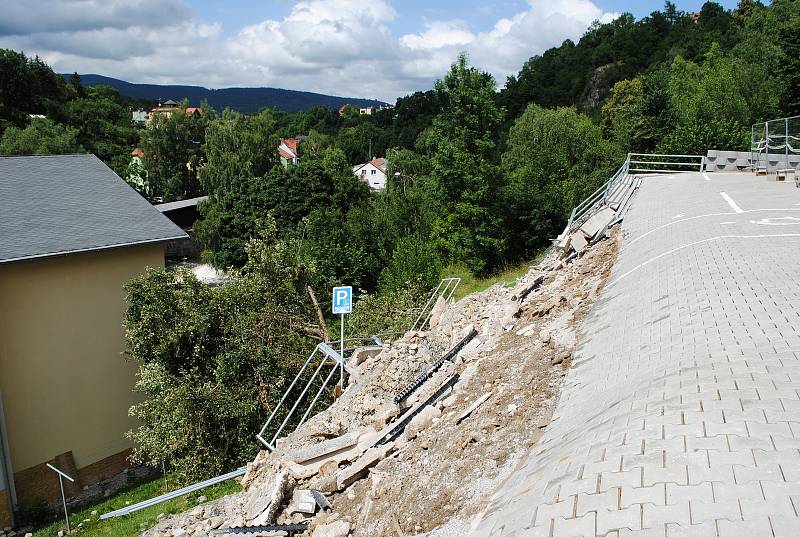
[464, 415]
[367, 466]
[275, 529]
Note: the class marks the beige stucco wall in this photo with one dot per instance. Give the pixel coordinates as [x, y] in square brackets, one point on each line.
[65, 384]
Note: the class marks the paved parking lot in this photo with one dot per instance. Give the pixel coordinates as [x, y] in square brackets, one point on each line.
[680, 415]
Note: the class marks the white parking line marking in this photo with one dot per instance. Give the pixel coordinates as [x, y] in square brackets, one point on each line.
[732, 203]
[727, 223]
[678, 215]
[706, 177]
[668, 252]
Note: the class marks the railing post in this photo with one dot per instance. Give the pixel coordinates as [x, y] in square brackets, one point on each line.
[786, 140]
[766, 146]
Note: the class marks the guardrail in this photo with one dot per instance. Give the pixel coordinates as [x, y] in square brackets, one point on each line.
[617, 189]
[775, 143]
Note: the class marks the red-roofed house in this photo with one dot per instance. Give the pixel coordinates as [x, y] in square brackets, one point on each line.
[288, 151]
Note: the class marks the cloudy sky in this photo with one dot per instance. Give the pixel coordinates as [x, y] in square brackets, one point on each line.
[359, 48]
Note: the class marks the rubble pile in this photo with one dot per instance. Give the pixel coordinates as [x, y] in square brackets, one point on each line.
[388, 461]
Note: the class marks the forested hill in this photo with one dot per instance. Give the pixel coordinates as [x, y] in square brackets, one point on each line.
[761, 39]
[244, 100]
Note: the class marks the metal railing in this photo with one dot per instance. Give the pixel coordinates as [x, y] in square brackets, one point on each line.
[128, 509]
[327, 355]
[775, 143]
[616, 191]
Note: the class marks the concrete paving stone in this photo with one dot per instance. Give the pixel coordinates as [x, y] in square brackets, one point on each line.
[770, 473]
[672, 474]
[611, 520]
[759, 527]
[656, 515]
[783, 526]
[602, 501]
[703, 473]
[575, 527]
[768, 429]
[711, 511]
[719, 443]
[746, 491]
[708, 529]
[549, 511]
[752, 509]
[737, 443]
[630, 478]
[742, 457]
[781, 456]
[679, 493]
[655, 495]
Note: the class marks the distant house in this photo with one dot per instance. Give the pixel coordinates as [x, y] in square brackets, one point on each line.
[288, 151]
[169, 107]
[139, 116]
[71, 234]
[372, 173]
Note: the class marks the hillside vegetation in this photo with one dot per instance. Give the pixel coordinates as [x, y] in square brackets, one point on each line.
[479, 179]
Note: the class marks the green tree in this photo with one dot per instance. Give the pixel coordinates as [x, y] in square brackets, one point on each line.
[555, 159]
[214, 361]
[173, 153]
[41, 137]
[463, 166]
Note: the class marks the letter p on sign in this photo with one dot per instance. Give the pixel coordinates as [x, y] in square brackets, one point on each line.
[342, 300]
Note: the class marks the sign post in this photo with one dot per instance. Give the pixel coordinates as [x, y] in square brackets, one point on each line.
[342, 303]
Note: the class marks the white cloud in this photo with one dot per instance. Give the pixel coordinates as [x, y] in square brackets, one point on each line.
[343, 47]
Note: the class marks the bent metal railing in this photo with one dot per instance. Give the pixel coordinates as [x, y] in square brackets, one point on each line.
[775, 143]
[327, 356]
[617, 190]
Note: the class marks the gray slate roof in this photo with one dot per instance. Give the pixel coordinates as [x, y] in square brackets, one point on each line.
[54, 205]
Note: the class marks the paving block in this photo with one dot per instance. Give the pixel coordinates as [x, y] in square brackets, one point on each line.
[574, 527]
[655, 495]
[710, 511]
[751, 528]
[610, 520]
[598, 221]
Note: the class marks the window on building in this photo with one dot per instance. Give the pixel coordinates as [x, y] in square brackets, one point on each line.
[373, 172]
[363, 172]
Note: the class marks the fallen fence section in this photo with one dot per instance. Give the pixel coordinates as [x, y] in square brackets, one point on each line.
[174, 494]
[325, 354]
[445, 290]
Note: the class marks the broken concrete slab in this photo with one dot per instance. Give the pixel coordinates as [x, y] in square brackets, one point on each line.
[361, 354]
[262, 507]
[339, 528]
[324, 449]
[436, 312]
[578, 242]
[598, 221]
[304, 502]
[359, 469]
[464, 415]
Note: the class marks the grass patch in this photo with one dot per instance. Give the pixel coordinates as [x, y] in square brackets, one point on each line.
[470, 284]
[134, 524]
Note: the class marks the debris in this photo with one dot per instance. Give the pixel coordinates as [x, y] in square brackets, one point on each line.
[393, 430]
[578, 241]
[598, 222]
[436, 312]
[428, 373]
[289, 529]
[324, 449]
[361, 354]
[303, 501]
[358, 469]
[322, 501]
[338, 528]
[461, 417]
[421, 421]
[263, 506]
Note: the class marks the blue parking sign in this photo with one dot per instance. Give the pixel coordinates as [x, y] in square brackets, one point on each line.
[342, 300]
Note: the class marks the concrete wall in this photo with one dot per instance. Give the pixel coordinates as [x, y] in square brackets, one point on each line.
[66, 385]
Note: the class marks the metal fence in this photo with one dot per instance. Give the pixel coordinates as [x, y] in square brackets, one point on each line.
[325, 360]
[616, 192]
[775, 144]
